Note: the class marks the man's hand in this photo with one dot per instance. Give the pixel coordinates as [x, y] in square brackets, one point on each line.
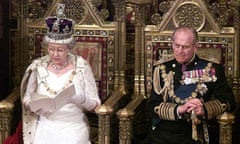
[195, 105]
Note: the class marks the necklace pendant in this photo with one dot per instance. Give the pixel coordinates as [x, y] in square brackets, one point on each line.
[59, 68]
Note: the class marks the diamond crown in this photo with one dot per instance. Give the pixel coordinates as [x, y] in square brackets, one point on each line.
[59, 27]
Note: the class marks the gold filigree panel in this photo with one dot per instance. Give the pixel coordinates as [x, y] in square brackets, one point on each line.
[79, 10]
[189, 14]
[37, 8]
[75, 9]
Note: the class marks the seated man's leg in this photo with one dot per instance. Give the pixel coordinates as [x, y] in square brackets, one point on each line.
[161, 136]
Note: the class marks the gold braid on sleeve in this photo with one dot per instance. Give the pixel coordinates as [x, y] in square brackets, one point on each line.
[166, 111]
[214, 108]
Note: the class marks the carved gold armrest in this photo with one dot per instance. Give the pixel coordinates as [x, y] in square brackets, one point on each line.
[125, 116]
[6, 108]
[105, 112]
[225, 121]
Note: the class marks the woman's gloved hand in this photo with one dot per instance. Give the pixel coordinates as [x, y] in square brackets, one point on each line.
[42, 112]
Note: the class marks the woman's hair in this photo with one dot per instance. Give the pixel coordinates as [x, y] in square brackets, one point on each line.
[70, 45]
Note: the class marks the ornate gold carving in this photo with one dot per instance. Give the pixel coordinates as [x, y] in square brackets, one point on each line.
[104, 13]
[97, 3]
[156, 18]
[125, 130]
[225, 120]
[104, 129]
[125, 117]
[164, 6]
[37, 9]
[189, 14]
[5, 119]
[75, 9]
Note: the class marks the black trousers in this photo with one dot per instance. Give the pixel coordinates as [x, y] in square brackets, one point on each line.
[171, 133]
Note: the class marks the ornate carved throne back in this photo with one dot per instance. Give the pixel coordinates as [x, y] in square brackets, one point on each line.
[216, 43]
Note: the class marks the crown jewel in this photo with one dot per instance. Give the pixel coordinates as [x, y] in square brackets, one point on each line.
[60, 28]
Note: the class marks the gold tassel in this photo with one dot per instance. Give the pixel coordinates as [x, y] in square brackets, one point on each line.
[194, 126]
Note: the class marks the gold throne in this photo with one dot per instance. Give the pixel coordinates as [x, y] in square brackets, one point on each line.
[153, 43]
[97, 40]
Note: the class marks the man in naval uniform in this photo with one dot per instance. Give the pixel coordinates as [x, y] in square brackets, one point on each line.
[187, 92]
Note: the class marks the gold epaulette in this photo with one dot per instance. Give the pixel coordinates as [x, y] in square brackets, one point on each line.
[159, 68]
[161, 61]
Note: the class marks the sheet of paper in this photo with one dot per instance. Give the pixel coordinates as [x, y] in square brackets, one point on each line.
[63, 97]
[39, 101]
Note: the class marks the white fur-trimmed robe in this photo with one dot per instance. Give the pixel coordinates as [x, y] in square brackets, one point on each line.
[86, 98]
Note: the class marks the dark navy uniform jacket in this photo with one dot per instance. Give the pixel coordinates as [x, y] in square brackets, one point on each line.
[180, 129]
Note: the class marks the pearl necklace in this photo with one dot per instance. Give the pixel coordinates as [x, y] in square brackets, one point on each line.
[59, 68]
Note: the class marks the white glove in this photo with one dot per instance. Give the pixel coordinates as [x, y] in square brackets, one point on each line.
[77, 99]
[42, 112]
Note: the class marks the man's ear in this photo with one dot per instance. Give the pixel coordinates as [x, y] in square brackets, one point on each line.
[196, 46]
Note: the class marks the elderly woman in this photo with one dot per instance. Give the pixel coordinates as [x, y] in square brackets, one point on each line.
[52, 76]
